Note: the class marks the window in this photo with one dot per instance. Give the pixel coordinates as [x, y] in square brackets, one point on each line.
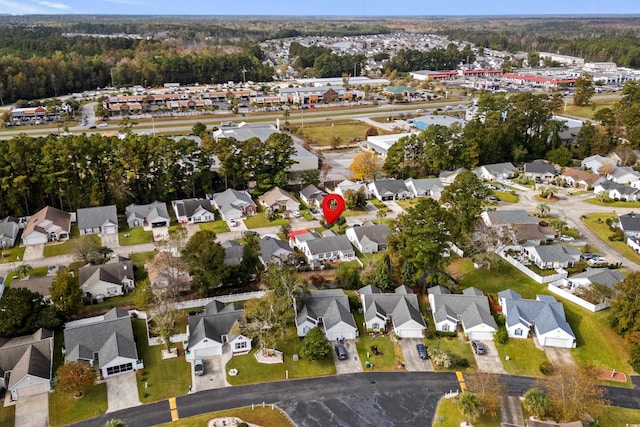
[375, 326]
[241, 345]
[445, 327]
[518, 332]
[120, 368]
[305, 330]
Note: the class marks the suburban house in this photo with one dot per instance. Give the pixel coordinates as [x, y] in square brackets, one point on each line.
[369, 239]
[543, 317]
[551, 256]
[233, 204]
[532, 233]
[102, 281]
[9, 229]
[427, 187]
[624, 175]
[105, 342]
[317, 248]
[168, 274]
[26, 364]
[540, 169]
[579, 178]
[624, 192]
[348, 185]
[152, 215]
[630, 224]
[505, 218]
[596, 162]
[396, 312]
[496, 171]
[312, 195]
[37, 284]
[214, 329]
[389, 189]
[276, 251]
[602, 276]
[448, 177]
[98, 220]
[47, 225]
[232, 252]
[193, 211]
[328, 309]
[279, 200]
[470, 310]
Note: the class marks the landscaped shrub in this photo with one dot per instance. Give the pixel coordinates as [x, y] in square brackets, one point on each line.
[441, 359]
[546, 368]
[634, 359]
[460, 362]
[501, 336]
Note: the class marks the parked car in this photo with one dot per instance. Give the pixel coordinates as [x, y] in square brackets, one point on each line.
[588, 255]
[492, 199]
[198, 367]
[422, 351]
[478, 347]
[233, 222]
[565, 238]
[341, 352]
[598, 261]
[102, 125]
[543, 224]
[296, 214]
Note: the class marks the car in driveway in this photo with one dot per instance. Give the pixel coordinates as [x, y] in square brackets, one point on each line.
[423, 353]
[478, 347]
[296, 214]
[198, 367]
[341, 352]
[566, 239]
[233, 223]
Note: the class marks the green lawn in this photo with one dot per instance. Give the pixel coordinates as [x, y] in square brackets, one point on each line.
[323, 133]
[506, 196]
[407, 203]
[501, 276]
[38, 271]
[135, 236]
[455, 346]
[597, 223]
[7, 416]
[260, 220]
[580, 192]
[588, 110]
[265, 417]
[65, 409]
[54, 249]
[377, 203]
[166, 378]
[12, 254]
[218, 226]
[306, 215]
[109, 303]
[448, 415]
[387, 361]
[250, 371]
[613, 204]
[615, 416]
[524, 357]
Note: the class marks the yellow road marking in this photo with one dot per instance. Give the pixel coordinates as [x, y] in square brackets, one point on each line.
[463, 386]
[174, 409]
[172, 403]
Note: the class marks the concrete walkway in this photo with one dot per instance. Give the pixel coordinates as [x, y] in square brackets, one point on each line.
[122, 392]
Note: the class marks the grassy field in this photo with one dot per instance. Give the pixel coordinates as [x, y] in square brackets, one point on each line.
[501, 276]
[388, 360]
[455, 346]
[615, 416]
[448, 415]
[524, 357]
[250, 371]
[7, 416]
[65, 409]
[506, 196]
[95, 309]
[323, 133]
[12, 254]
[54, 249]
[613, 204]
[377, 203]
[260, 220]
[597, 223]
[166, 378]
[589, 110]
[408, 203]
[218, 226]
[265, 417]
[135, 236]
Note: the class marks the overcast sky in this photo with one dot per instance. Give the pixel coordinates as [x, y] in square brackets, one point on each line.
[320, 7]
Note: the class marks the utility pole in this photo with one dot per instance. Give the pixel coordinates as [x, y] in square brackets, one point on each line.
[244, 75]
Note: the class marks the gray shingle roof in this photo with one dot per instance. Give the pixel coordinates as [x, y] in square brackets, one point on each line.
[232, 252]
[97, 216]
[9, 229]
[330, 304]
[33, 362]
[187, 207]
[232, 200]
[546, 313]
[559, 253]
[471, 309]
[329, 244]
[114, 271]
[389, 186]
[269, 246]
[401, 307]
[511, 217]
[377, 233]
[28, 354]
[152, 213]
[311, 192]
[213, 326]
[630, 222]
[110, 336]
[539, 167]
[37, 284]
[496, 169]
[603, 276]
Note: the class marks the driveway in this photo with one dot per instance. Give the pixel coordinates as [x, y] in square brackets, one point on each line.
[33, 411]
[352, 364]
[33, 252]
[490, 361]
[122, 392]
[160, 233]
[559, 356]
[110, 240]
[214, 373]
[412, 361]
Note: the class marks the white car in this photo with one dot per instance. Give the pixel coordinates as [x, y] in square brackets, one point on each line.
[233, 223]
[103, 125]
[565, 238]
[296, 214]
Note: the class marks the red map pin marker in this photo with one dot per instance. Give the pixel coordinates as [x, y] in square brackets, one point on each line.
[332, 207]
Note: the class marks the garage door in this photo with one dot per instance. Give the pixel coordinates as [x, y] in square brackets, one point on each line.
[31, 390]
[557, 342]
[210, 351]
[339, 335]
[109, 229]
[480, 336]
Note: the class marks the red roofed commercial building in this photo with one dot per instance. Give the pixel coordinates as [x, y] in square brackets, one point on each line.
[547, 82]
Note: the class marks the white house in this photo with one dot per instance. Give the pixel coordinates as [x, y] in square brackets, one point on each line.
[544, 316]
[106, 340]
[552, 256]
[47, 225]
[193, 211]
[9, 229]
[233, 204]
[327, 309]
[630, 224]
[624, 175]
[98, 220]
[396, 312]
[596, 162]
[152, 215]
[274, 250]
[346, 185]
[369, 239]
[317, 248]
[448, 177]
[389, 189]
[427, 187]
[211, 331]
[115, 278]
[279, 200]
[470, 310]
[312, 195]
[496, 171]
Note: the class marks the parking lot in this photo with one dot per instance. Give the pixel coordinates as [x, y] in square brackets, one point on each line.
[413, 362]
[350, 365]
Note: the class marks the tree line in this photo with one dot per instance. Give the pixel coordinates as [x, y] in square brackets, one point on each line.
[93, 170]
[407, 60]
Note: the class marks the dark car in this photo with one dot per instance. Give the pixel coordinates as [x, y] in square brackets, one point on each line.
[341, 352]
[422, 351]
[478, 347]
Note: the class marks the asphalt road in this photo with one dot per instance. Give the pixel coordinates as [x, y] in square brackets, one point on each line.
[371, 398]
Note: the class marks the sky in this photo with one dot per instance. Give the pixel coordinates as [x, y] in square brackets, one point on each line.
[320, 7]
